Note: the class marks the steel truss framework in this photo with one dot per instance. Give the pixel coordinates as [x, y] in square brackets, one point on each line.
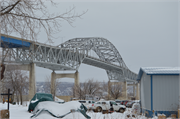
[106, 52]
[70, 55]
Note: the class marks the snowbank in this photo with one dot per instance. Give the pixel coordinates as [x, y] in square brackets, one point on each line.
[58, 110]
[59, 100]
[20, 112]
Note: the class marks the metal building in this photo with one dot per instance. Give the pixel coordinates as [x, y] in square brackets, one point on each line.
[159, 90]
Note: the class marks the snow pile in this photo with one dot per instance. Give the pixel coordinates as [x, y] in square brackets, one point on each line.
[59, 100]
[17, 111]
[102, 100]
[20, 112]
[136, 108]
[58, 110]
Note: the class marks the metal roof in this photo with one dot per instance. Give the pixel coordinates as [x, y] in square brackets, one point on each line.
[158, 71]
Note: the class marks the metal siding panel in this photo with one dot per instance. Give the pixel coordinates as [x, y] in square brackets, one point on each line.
[145, 92]
[165, 92]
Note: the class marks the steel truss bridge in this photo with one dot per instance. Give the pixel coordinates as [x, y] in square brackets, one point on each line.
[68, 55]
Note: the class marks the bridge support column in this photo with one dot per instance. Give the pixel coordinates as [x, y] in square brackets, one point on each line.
[32, 73]
[32, 81]
[55, 76]
[109, 85]
[76, 78]
[53, 80]
[137, 91]
[134, 88]
[125, 90]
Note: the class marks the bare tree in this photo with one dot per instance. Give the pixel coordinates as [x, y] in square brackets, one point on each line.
[90, 87]
[130, 91]
[28, 17]
[48, 85]
[17, 81]
[115, 89]
[105, 90]
[78, 91]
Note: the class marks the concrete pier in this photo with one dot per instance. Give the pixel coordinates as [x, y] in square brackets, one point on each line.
[134, 89]
[137, 91]
[32, 73]
[125, 90]
[55, 76]
[53, 80]
[32, 81]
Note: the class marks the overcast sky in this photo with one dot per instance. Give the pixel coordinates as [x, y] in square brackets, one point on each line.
[144, 33]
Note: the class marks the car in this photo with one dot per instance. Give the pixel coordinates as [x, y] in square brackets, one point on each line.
[129, 104]
[105, 105]
[125, 102]
[87, 103]
[122, 102]
[118, 101]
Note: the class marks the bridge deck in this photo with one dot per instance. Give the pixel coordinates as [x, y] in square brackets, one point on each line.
[99, 63]
[13, 42]
[56, 58]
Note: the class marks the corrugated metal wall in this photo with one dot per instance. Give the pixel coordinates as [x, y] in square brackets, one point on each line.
[145, 92]
[165, 92]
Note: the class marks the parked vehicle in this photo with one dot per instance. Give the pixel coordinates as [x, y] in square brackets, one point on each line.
[122, 101]
[105, 105]
[125, 102]
[130, 104]
[118, 101]
[73, 99]
[87, 103]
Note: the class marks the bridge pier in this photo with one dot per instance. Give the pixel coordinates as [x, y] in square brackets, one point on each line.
[134, 89]
[55, 76]
[32, 82]
[137, 91]
[125, 90]
[53, 80]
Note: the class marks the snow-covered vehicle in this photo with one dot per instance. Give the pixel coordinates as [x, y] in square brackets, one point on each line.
[39, 97]
[105, 105]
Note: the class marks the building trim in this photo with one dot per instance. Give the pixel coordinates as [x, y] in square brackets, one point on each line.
[149, 113]
[160, 74]
[155, 73]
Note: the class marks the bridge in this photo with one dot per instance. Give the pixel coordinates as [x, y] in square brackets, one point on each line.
[67, 56]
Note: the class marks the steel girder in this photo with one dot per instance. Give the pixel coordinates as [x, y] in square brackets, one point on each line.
[46, 56]
[106, 52]
[70, 55]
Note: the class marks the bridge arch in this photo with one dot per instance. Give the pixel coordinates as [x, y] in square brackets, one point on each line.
[106, 52]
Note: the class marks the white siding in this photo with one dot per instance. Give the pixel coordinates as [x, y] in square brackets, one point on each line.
[145, 92]
[165, 92]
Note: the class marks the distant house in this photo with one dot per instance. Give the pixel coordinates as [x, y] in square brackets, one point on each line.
[159, 90]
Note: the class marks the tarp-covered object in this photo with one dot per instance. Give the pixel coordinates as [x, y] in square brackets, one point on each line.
[39, 97]
[59, 110]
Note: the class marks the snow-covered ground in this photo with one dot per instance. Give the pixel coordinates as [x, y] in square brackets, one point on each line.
[20, 112]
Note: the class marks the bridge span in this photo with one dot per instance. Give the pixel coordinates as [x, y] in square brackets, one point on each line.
[68, 55]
